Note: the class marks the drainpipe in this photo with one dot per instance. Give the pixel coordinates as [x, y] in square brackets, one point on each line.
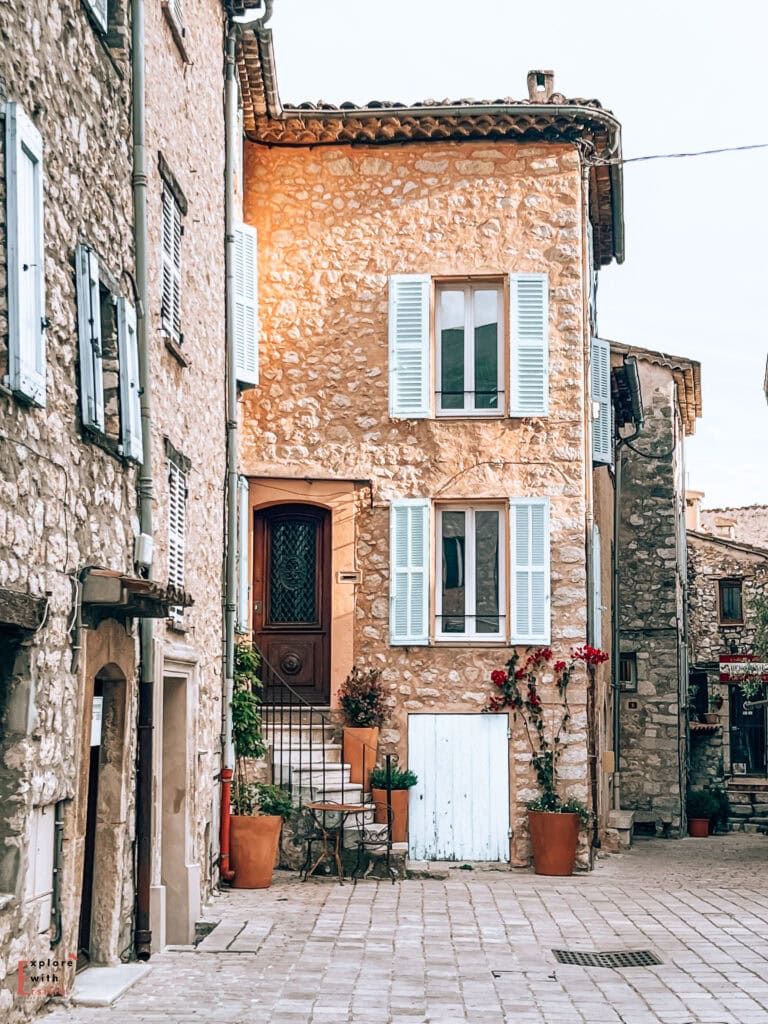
[633, 379]
[143, 933]
[228, 749]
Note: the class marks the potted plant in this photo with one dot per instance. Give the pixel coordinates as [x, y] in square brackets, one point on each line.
[400, 781]
[362, 700]
[701, 806]
[711, 717]
[258, 809]
[554, 822]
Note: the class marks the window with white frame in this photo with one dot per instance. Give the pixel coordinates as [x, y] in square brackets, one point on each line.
[470, 591]
[170, 310]
[177, 527]
[469, 352]
[489, 358]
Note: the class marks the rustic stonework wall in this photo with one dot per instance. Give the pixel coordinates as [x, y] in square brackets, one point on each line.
[64, 502]
[751, 523]
[185, 123]
[652, 580]
[333, 224]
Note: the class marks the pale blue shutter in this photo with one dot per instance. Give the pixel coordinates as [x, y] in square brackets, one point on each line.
[602, 430]
[243, 589]
[26, 255]
[597, 589]
[529, 549]
[130, 403]
[529, 338]
[246, 315]
[409, 571]
[89, 333]
[410, 383]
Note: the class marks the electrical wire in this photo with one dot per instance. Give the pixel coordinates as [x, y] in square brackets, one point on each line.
[650, 455]
[615, 161]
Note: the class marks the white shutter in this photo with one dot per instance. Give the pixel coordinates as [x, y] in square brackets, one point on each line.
[26, 255]
[170, 310]
[410, 375]
[243, 589]
[89, 334]
[246, 324]
[602, 430]
[597, 589]
[177, 529]
[130, 404]
[529, 337]
[100, 10]
[529, 547]
[409, 571]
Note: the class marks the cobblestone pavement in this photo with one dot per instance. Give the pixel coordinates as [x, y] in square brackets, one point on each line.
[478, 947]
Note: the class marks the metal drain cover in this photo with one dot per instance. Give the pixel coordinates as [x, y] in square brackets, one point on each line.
[615, 959]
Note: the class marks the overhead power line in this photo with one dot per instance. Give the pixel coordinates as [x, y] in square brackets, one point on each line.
[676, 156]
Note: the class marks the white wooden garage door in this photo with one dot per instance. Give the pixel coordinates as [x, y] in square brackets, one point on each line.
[460, 808]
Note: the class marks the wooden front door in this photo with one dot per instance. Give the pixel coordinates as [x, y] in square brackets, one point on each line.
[292, 601]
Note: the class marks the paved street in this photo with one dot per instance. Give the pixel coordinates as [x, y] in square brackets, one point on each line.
[478, 947]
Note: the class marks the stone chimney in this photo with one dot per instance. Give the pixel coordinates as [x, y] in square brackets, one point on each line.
[725, 527]
[693, 510]
[541, 86]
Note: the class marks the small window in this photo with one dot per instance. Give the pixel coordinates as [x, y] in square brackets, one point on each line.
[628, 673]
[177, 530]
[470, 584]
[731, 610]
[170, 311]
[469, 349]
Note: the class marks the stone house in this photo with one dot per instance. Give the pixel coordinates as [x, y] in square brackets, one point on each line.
[726, 573]
[94, 432]
[651, 592]
[419, 450]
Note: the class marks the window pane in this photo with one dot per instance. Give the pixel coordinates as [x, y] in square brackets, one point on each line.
[452, 350]
[730, 596]
[487, 571]
[453, 592]
[486, 319]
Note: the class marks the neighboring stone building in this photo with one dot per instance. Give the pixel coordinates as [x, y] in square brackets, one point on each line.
[425, 368]
[728, 737]
[651, 597]
[71, 586]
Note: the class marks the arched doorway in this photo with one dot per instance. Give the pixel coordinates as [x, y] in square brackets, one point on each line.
[292, 599]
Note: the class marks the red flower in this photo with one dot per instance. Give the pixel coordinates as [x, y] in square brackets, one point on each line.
[560, 666]
[520, 673]
[498, 677]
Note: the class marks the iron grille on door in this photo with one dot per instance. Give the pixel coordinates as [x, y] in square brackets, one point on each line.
[293, 571]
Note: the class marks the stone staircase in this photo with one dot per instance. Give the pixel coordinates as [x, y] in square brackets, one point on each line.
[749, 804]
[305, 757]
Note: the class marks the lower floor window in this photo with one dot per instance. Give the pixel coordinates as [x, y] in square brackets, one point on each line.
[470, 591]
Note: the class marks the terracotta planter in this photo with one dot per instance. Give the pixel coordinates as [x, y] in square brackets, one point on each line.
[359, 742]
[698, 827]
[710, 718]
[253, 849]
[553, 840]
[399, 812]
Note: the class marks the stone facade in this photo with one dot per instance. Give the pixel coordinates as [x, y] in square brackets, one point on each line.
[333, 224]
[652, 588]
[750, 524]
[69, 501]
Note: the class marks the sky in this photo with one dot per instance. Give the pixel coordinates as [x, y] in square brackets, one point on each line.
[681, 76]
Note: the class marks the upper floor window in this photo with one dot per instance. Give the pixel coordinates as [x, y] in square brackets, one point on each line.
[471, 591]
[628, 672]
[731, 610]
[170, 310]
[469, 352]
[487, 358]
[177, 524]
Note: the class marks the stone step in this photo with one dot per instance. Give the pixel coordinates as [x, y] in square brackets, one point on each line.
[317, 754]
[284, 734]
[299, 714]
[314, 775]
[349, 793]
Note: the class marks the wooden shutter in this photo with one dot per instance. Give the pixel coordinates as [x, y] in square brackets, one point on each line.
[410, 375]
[529, 547]
[529, 338]
[243, 589]
[170, 312]
[177, 529]
[409, 571]
[597, 589]
[602, 430]
[89, 336]
[246, 323]
[130, 404]
[26, 255]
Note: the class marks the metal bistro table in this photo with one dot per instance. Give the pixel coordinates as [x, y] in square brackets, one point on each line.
[329, 833]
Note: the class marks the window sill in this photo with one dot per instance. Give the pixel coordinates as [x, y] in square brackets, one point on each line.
[176, 351]
[731, 625]
[177, 30]
[177, 626]
[468, 643]
[107, 444]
